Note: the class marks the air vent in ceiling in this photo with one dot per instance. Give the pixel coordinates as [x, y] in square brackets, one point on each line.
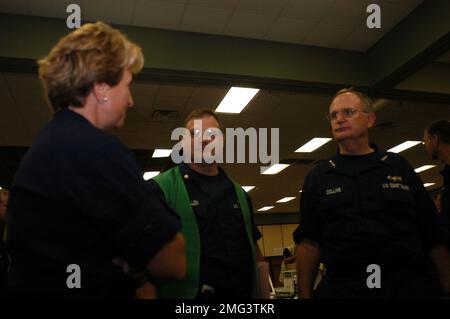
[164, 115]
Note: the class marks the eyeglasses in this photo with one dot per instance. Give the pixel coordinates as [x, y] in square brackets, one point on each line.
[209, 133]
[346, 113]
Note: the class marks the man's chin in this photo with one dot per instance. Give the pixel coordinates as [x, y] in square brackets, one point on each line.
[341, 137]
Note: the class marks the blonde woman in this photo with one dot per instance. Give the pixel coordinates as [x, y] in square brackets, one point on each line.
[79, 203]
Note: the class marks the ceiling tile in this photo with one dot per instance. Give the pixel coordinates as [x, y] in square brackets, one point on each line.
[169, 103]
[205, 20]
[306, 9]
[16, 7]
[248, 25]
[217, 4]
[53, 8]
[262, 7]
[155, 14]
[143, 105]
[289, 30]
[144, 88]
[348, 13]
[328, 36]
[173, 90]
[174, 1]
[209, 93]
[201, 103]
[111, 11]
[135, 123]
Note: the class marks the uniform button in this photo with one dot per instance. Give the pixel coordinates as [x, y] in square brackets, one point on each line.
[186, 176]
[148, 229]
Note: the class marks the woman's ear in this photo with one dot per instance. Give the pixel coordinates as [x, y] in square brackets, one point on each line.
[100, 91]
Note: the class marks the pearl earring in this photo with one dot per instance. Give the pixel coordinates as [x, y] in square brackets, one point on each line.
[104, 99]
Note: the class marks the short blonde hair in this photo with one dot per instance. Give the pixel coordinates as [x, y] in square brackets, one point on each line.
[94, 53]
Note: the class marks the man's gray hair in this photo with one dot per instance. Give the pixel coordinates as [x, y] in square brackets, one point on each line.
[367, 102]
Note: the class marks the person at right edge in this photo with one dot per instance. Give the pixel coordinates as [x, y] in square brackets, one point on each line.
[367, 216]
[437, 144]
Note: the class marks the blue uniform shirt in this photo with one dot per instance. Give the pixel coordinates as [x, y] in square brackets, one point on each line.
[368, 209]
[79, 198]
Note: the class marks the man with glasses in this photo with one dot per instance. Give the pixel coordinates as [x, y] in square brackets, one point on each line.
[217, 219]
[365, 214]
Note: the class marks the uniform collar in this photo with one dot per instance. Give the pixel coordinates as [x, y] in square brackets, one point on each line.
[372, 145]
[187, 172]
[335, 161]
[68, 113]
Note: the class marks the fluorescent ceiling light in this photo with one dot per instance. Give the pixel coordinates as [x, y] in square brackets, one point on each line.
[275, 169]
[265, 208]
[248, 188]
[285, 199]
[161, 152]
[423, 168]
[428, 184]
[312, 145]
[149, 175]
[405, 145]
[236, 99]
